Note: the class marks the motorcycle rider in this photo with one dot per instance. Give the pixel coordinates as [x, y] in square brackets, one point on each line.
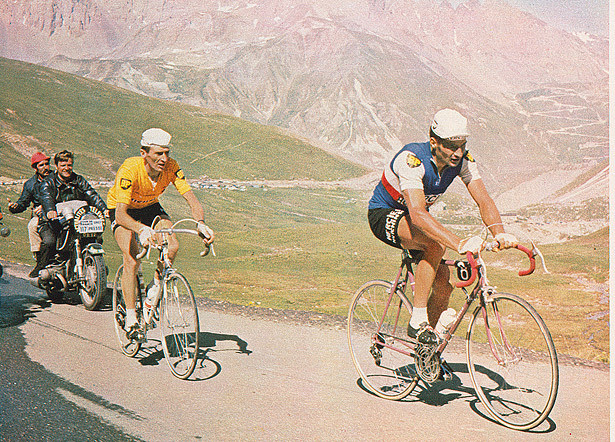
[61, 186]
[37, 232]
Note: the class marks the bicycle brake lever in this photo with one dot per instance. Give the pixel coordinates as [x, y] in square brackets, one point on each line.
[535, 251]
[207, 250]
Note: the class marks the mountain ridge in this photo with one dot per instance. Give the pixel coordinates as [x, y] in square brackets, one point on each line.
[358, 78]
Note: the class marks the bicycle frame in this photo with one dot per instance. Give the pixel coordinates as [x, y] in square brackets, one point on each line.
[405, 277]
[510, 354]
[174, 310]
[168, 269]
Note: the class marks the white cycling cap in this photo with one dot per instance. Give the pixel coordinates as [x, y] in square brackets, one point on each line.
[450, 124]
[156, 137]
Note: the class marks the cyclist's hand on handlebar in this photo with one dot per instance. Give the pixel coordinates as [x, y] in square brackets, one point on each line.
[472, 245]
[205, 233]
[208, 238]
[505, 241]
[147, 236]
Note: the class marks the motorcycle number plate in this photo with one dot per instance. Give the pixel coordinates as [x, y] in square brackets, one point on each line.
[90, 226]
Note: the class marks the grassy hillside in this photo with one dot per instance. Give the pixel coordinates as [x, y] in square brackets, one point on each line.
[45, 109]
[310, 250]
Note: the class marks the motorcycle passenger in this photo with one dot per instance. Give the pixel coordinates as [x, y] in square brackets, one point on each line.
[37, 232]
[133, 206]
[61, 186]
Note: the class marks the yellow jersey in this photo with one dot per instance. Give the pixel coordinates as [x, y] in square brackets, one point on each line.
[135, 188]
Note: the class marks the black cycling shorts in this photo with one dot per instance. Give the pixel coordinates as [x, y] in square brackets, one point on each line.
[145, 215]
[384, 224]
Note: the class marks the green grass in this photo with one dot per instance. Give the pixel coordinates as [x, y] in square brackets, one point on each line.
[573, 299]
[50, 110]
[310, 250]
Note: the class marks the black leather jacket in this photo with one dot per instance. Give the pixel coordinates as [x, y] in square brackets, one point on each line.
[29, 194]
[53, 190]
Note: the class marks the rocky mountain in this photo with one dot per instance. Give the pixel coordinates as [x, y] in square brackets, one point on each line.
[356, 77]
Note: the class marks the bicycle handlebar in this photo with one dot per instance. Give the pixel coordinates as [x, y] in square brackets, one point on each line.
[531, 254]
[174, 230]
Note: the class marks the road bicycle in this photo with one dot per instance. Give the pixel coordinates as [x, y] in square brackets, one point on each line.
[509, 351]
[174, 310]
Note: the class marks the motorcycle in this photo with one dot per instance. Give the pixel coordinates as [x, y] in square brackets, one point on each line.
[4, 232]
[79, 263]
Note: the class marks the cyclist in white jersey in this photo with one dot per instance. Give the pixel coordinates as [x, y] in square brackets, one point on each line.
[399, 215]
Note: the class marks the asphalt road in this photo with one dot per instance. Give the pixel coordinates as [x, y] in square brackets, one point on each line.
[63, 377]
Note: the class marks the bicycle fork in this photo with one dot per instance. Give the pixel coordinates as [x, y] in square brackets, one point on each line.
[506, 348]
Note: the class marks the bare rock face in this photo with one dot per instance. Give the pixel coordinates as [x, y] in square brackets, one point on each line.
[357, 77]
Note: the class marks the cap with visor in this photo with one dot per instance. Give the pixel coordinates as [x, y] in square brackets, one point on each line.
[450, 125]
[156, 137]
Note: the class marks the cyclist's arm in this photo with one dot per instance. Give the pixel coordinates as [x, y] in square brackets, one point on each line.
[195, 206]
[198, 215]
[488, 210]
[422, 219]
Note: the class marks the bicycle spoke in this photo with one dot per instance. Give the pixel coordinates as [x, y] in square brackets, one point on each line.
[179, 325]
[512, 362]
[129, 348]
[378, 340]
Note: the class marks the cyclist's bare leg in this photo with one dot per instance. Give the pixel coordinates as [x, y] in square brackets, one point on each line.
[173, 243]
[438, 301]
[427, 269]
[128, 246]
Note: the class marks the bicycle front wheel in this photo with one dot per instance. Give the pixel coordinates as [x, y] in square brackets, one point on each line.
[512, 361]
[179, 326]
[378, 340]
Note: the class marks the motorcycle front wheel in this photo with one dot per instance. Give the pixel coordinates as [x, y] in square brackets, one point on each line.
[94, 288]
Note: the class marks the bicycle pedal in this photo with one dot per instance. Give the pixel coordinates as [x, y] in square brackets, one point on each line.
[446, 372]
[136, 334]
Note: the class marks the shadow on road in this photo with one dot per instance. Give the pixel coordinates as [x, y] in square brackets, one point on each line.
[73, 298]
[37, 404]
[209, 344]
[444, 392]
[23, 301]
[20, 304]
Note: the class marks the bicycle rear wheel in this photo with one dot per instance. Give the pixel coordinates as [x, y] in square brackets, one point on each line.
[378, 340]
[512, 361]
[179, 326]
[129, 348]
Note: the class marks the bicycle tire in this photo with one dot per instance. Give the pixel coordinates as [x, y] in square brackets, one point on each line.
[96, 281]
[519, 389]
[129, 348]
[385, 372]
[179, 326]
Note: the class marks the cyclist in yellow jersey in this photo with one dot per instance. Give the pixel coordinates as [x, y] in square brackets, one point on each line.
[133, 206]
